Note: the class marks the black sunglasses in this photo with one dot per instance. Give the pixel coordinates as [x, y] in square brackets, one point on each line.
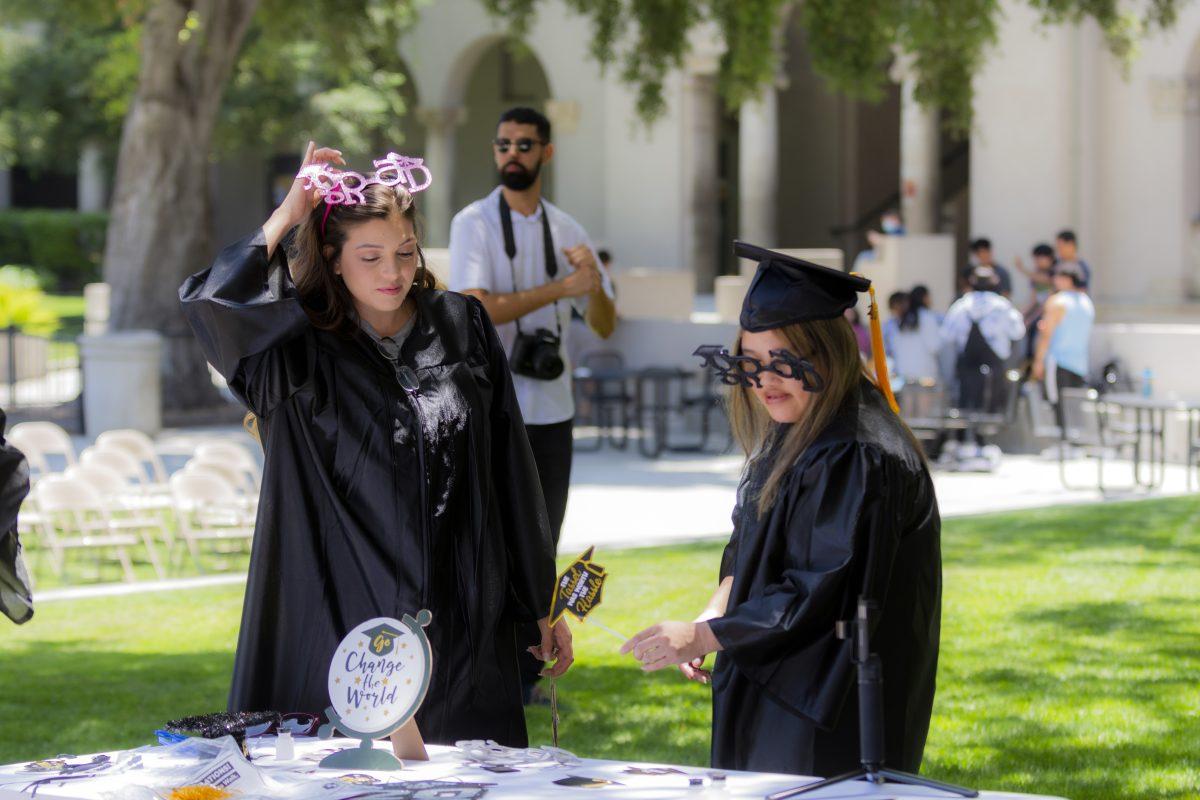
[523, 145]
[736, 370]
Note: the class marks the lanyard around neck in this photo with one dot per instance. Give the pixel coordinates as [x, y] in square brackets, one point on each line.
[510, 249]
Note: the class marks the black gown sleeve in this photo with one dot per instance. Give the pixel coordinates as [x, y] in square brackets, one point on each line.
[527, 539]
[833, 533]
[729, 554]
[246, 314]
[16, 598]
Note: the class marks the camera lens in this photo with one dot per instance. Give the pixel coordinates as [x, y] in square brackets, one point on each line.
[547, 363]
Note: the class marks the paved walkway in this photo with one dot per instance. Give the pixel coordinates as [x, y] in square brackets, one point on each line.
[620, 499]
[624, 500]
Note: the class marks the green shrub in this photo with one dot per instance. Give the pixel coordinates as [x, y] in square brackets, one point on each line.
[25, 308]
[64, 247]
[20, 277]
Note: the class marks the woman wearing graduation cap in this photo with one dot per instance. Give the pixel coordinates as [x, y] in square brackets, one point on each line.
[835, 502]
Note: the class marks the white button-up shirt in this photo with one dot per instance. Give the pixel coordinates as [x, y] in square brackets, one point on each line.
[478, 261]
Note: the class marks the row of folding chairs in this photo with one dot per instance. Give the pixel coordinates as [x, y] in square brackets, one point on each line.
[115, 501]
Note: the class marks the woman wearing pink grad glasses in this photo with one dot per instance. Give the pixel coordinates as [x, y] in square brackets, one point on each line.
[398, 476]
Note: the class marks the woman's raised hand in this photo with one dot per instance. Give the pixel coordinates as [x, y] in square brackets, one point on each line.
[299, 201]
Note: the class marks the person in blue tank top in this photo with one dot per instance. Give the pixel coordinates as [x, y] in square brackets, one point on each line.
[1062, 349]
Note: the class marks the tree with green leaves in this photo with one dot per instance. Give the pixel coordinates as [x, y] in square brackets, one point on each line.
[168, 84]
[851, 42]
[185, 77]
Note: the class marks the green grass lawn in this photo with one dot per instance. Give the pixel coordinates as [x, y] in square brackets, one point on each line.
[66, 305]
[1070, 658]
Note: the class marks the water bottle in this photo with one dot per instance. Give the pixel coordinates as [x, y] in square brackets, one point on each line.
[285, 747]
[1147, 382]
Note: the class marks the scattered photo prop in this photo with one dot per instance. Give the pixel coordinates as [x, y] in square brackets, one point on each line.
[378, 678]
[582, 782]
[653, 771]
[61, 766]
[237, 724]
[486, 754]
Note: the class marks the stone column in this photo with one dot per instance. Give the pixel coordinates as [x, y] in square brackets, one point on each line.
[122, 381]
[441, 130]
[758, 170]
[920, 162]
[701, 133]
[92, 183]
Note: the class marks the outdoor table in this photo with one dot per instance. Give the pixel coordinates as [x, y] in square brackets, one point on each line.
[1150, 418]
[653, 394]
[609, 383]
[447, 764]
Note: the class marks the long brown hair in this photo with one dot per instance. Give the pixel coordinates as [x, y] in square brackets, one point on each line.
[318, 244]
[832, 348]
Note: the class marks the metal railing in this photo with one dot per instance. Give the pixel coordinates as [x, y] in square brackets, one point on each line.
[37, 371]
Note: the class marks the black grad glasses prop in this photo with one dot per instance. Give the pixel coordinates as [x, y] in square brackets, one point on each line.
[746, 371]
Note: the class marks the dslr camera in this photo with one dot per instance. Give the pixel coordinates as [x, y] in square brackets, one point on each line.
[536, 355]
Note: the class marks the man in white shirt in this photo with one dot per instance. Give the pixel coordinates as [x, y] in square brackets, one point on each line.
[529, 263]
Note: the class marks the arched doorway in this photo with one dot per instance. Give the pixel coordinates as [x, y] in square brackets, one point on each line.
[506, 74]
[839, 159]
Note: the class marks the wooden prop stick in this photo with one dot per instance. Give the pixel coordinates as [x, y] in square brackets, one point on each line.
[554, 710]
[604, 627]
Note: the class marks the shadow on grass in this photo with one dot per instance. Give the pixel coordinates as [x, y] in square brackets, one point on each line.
[1137, 533]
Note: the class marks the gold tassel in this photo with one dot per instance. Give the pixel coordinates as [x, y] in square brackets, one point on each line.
[880, 357]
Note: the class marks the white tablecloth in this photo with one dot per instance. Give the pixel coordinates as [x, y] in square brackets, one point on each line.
[447, 763]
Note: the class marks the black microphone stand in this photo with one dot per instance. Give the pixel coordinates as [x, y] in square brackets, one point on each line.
[870, 718]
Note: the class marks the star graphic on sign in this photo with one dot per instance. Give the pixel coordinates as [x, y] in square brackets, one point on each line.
[361, 644]
[403, 645]
[386, 712]
[357, 681]
[337, 680]
[385, 681]
[409, 681]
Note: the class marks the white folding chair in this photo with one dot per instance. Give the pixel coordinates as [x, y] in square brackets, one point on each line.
[126, 512]
[208, 509]
[31, 444]
[48, 438]
[138, 445]
[118, 461]
[234, 455]
[75, 518]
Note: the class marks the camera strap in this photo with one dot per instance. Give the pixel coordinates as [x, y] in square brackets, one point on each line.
[510, 248]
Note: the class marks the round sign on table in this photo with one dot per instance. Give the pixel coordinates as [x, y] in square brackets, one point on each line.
[379, 675]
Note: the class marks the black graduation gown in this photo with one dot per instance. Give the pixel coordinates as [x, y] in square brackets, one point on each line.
[856, 514]
[16, 598]
[355, 519]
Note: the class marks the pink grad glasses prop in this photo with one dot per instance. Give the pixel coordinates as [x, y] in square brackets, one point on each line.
[345, 187]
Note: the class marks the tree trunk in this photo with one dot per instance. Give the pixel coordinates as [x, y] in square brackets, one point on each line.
[160, 229]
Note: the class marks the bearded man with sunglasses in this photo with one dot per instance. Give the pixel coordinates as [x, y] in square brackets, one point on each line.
[530, 263]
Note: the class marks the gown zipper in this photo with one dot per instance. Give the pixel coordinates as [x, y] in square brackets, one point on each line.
[412, 387]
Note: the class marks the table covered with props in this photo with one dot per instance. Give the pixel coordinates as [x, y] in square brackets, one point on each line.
[214, 769]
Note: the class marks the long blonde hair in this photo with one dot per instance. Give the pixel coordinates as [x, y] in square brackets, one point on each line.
[832, 348]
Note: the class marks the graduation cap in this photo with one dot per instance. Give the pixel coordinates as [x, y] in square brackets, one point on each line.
[383, 639]
[787, 290]
[579, 588]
